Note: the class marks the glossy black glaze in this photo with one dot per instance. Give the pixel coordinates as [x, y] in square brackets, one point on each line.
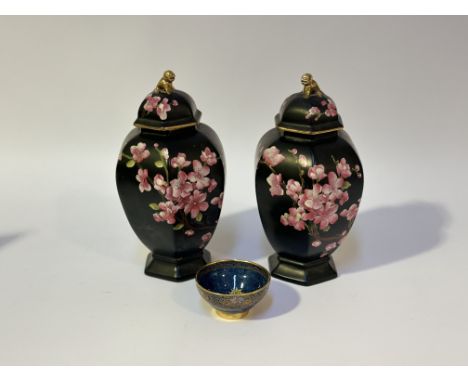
[303, 252]
[174, 254]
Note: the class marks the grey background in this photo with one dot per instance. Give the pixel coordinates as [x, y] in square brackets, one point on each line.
[71, 281]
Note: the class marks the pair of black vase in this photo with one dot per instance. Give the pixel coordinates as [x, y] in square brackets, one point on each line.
[170, 178]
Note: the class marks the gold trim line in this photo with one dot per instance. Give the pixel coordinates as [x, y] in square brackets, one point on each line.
[308, 132]
[167, 128]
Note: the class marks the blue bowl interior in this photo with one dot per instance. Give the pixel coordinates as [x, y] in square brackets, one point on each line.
[229, 277]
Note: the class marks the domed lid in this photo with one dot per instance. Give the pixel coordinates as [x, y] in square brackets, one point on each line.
[308, 112]
[166, 108]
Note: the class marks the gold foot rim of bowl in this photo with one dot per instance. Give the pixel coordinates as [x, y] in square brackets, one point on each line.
[231, 316]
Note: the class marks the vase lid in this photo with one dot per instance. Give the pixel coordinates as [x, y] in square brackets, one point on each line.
[308, 112]
[166, 108]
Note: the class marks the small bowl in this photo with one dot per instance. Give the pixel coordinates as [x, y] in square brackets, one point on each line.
[232, 287]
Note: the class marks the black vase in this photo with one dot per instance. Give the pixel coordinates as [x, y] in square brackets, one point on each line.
[309, 183]
[170, 179]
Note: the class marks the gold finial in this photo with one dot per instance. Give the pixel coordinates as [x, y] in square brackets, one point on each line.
[310, 86]
[165, 83]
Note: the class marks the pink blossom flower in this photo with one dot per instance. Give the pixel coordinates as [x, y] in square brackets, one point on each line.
[198, 176]
[312, 199]
[189, 232]
[218, 200]
[196, 203]
[303, 162]
[326, 215]
[330, 246]
[293, 189]
[293, 151]
[324, 103]
[316, 243]
[316, 172]
[332, 189]
[167, 212]
[344, 198]
[294, 218]
[284, 219]
[272, 156]
[162, 109]
[208, 156]
[313, 112]
[156, 145]
[160, 183]
[179, 187]
[357, 168]
[174, 103]
[139, 152]
[142, 177]
[331, 109]
[206, 236]
[212, 186]
[275, 182]
[180, 161]
[343, 169]
[350, 213]
[165, 153]
[151, 103]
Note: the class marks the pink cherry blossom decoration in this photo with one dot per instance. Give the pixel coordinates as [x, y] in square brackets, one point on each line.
[196, 203]
[330, 246]
[293, 189]
[343, 169]
[206, 236]
[151, 103]
[208, 156]
[351, 212]
[272, 156]
[218, 200]
[303, 162]
[275, 182]
[180, 161]
[213, 184]
[317, 172]
[326, 215]
[139, 152]
[160, 183]
[313, 112]
[199, 175]
[162, 109]
[331, 109]
[167, 212]
[142, 177]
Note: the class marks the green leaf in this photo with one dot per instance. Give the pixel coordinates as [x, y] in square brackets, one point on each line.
[159, 164]
[154, 206]
[346, 185]
[130, 163]
[199, 217]
[178, 227]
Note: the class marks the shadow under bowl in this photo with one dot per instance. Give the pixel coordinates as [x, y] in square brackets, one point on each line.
[232, 287]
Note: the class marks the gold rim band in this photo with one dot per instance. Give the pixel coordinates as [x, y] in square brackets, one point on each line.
[308, 132]
[167, 128]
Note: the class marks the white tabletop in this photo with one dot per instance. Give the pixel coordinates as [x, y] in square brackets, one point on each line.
[72, 288]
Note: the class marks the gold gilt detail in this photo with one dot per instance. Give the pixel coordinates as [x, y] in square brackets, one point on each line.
[165, 83]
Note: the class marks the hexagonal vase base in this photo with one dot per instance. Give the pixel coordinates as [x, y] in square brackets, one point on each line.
[302, 273]
[176, 269]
